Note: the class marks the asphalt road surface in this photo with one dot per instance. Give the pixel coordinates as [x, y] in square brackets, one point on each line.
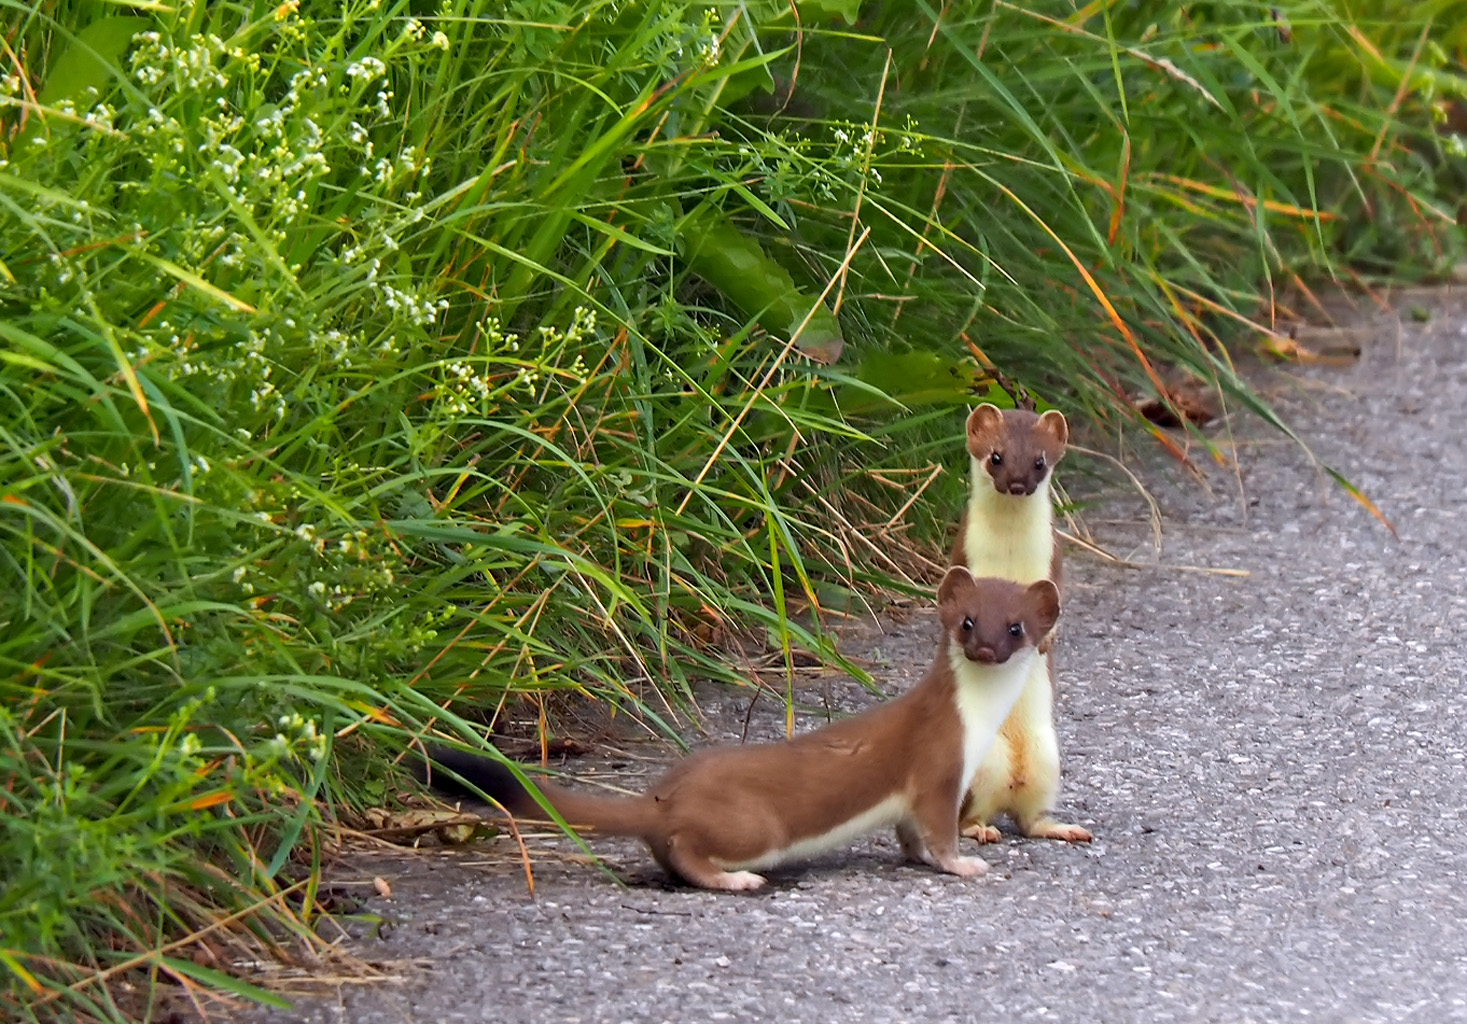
[1274, 766]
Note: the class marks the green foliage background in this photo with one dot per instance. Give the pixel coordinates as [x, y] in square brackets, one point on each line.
[369, 365]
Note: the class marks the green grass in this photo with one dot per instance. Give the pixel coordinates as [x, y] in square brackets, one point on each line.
[368, 375]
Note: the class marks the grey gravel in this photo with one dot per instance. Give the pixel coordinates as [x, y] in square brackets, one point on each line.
[1274, 767]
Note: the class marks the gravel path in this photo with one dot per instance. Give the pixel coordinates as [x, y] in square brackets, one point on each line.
[1274, 766]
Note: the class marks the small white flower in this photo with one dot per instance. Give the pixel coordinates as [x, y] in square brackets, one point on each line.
[366, 69]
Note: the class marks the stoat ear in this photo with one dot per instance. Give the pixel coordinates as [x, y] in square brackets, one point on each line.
[955, 585]
[1044, 599]
[985, 425]
[1054, 424]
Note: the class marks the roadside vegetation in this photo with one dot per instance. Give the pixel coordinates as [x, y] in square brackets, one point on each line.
[373, 367]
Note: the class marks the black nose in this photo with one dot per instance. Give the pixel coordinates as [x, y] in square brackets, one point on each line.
[1019, 487]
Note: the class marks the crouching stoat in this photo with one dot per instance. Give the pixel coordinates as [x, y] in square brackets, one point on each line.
[1007, 531]
[724, 813]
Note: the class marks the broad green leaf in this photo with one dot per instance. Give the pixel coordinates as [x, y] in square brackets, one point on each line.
[90, 59]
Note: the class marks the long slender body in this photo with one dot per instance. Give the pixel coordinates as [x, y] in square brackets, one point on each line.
[724, 813]
[1007, 531]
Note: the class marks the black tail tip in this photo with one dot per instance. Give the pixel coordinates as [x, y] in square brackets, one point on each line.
[464, 776]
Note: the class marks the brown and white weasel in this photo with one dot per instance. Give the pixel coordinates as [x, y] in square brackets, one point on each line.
[1007, 531]
[724, 813]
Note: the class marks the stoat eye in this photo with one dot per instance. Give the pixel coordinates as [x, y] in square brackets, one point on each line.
[996, 458]
[1016, 629]
[1039, 463]
[968, 625]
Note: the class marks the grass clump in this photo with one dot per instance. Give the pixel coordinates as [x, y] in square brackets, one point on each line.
[1105, 192]
[374, 367]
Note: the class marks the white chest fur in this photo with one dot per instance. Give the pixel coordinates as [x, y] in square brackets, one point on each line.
[985, 695]
[1007, 536]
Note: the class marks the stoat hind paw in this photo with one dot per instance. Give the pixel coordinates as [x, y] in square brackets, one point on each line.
[1064, 832]
[966, 867]
[737, 881]
[983, 833]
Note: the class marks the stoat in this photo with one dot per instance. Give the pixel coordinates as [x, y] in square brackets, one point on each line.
[1007, 531]
[723, 814]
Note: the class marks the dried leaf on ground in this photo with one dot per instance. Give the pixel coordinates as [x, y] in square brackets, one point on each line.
[1186, 398]
[408, 826]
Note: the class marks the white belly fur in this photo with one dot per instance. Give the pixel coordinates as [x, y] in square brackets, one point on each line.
[882, 815]
[1013, 538]
[985, 696]
[1008, 537]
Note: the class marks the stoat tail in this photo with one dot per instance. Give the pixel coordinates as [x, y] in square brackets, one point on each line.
[612, 815]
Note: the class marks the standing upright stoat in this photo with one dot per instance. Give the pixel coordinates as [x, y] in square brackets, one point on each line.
[1007, 531]
[723, 813]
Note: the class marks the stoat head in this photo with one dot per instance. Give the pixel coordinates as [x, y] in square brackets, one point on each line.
[1015, 447]
[991, 620]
